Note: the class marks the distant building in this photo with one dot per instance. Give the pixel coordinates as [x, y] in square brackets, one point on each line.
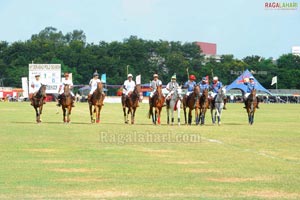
[296, 50]
[209, 50]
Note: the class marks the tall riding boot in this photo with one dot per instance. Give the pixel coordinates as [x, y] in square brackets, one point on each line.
[73, 98]
[89, 98]
[44, 99]
[123, 100]
[225, 101]
[103, 94]
[150, 102]
[257, 102]
[245, 102]
[58, 100]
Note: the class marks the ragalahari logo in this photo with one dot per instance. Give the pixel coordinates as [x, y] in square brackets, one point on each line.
[281, 5]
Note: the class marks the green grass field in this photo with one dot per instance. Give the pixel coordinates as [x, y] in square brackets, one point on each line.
[112, 160]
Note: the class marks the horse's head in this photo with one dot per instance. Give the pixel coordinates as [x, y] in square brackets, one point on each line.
[197, 90]
[205, 92]
[159, 89]
[66, 89]
[253, 92]
[222, 91]
[99, 86]
[42, 90]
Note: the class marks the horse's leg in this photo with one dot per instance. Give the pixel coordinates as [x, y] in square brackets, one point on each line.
[91, 113]
[190, 116]
[37, 115]
[132, 115]
[64, 113]
[97, 114]
[158, 114]
[69, 114]
[197, 115]
[153, 115]
[124, 111]
[168, 114]
[184, 113]
[178, 111]
[128, 111]
[203, 116]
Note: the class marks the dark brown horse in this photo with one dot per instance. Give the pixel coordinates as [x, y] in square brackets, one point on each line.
[66, 102]
[96, 101]
[251, 105]
[38, 102]
[192, 102]
[204, 104]
[157, 101]
[131, 102]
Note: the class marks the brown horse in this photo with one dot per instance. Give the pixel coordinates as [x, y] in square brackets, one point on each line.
[96, 101]
[38, 102]
[66, 102]
[157, 101]
[192, 102]
[251, 105]
[131, 102]
[204, 104]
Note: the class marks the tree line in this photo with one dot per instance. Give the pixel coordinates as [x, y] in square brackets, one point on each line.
[140, 56]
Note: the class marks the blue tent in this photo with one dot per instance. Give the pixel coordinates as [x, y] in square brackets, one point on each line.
[239, 83]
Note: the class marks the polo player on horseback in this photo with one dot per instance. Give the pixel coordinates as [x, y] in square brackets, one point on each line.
[203, 85]
[93, 84]
[35, 86]
[250, 83]
[172, 86]
[128, 88]
[67, 81]
[215, 87]
[190, 84]
[153, 85]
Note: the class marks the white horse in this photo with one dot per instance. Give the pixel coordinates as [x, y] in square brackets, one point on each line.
[174, 100]
[218, 105]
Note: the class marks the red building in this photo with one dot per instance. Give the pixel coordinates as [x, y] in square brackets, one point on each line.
[208, 48]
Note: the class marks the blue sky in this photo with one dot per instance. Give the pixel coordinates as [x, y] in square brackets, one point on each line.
[238, 27]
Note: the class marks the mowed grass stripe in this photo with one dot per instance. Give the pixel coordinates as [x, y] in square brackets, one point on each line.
[57, 161]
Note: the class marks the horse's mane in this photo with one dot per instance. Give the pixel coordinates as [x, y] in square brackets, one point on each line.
[252, 96]
[204, 98]
[41, 91]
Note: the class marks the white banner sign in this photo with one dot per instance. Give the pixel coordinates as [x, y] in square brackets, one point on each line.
[50, 75]
[25, 87]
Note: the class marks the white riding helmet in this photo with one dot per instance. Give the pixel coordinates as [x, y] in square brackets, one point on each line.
[215, 78]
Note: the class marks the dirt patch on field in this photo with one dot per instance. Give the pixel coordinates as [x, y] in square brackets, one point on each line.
[72, 170]
[238, 180]
[44, 150]
[157, 151]
[63, 161]
[202, 170]
[101, 194]
[268, 194]
[82, 179]
[188, 162]
[162, 153]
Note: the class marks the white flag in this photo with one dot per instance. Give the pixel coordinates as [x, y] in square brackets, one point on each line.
[274, 80]
[138, 80]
